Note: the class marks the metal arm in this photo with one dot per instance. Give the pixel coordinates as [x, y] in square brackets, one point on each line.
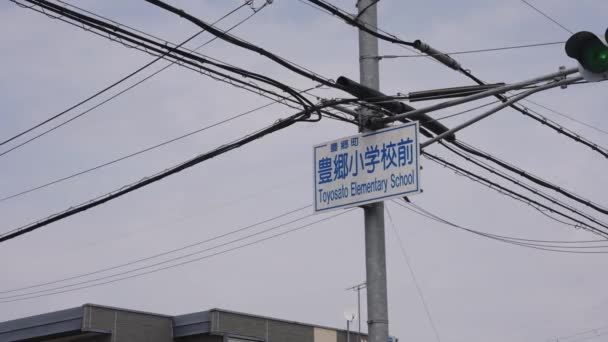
[491, 92]
[499, 107]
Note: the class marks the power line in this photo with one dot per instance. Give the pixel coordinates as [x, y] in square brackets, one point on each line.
[284, 123]
[279, 125]
[569, 117]
[545, 121]
[133, 154]
[513, 194]
[328, 114]
[409, 266]
[547, 16]
[468, 110]
[159, 263]
[204, 58]
[345, 15]
[502, 98]
[587, 338]
[537, 180]
[525, 111]
[156, 146]
[568, 338]
[181, 263]
[123, 36]
[565, 131]
[166, 42]
[167, 252]
[113, 84]
[529, 188]
[565, 249]
[334, 10]
[530, 242]
[471, 51]
[246, 45]
[177, 60]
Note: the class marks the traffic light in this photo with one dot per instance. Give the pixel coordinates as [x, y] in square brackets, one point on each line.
[589, 51]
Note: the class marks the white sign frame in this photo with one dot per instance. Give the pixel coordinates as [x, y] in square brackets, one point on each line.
[344, 187]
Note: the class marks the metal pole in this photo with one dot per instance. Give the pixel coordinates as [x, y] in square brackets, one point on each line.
[347, 330]
[359, 310]
[375, 253]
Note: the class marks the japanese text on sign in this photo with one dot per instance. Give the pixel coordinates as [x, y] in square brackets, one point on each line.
[366, 168]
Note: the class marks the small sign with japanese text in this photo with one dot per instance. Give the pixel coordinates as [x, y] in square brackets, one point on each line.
[366, 168]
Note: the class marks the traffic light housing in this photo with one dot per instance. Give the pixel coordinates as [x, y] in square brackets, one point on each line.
[589, 51]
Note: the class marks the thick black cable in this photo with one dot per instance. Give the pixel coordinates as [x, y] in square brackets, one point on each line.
[166, 142]
[124, 35]
[113, 84]
[144, 150]
[565, 131]
[569, 117]
[262, 90]
[523, 185]
[495, 185]
[353, 22]
[335, 11]
[543, 121]
[179, 61]
[236, 41]
[537, 180]
[284, 123]
[502, 98]
[281, 124]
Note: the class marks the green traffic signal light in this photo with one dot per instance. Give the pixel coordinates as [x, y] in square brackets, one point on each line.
[589, 51]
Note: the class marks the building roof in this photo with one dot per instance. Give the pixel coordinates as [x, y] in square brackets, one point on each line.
[59, 323]
[76, 322]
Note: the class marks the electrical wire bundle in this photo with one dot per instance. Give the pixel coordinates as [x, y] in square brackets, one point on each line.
[171, 52]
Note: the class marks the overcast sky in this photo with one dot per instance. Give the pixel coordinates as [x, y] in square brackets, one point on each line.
[476, 289]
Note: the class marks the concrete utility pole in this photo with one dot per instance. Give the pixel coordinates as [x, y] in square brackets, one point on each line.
[375, 252]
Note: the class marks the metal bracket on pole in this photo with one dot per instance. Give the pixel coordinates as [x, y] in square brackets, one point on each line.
[562, 69]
